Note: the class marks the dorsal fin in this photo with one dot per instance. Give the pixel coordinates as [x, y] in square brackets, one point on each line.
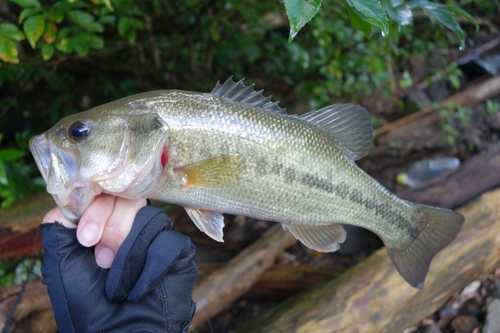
[348, 124]
[238, 92]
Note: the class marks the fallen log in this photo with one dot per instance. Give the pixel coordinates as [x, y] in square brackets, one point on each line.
[372, 296]
[34, 302]
[19, 226]
[237, 277]
[479, 174]
[280, 280]
[425, 117]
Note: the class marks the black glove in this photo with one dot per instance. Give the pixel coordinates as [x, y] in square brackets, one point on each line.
[147, 289]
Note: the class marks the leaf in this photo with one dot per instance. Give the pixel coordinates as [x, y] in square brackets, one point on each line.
[50, 34]
[8, 51]
[64, 45]
[373, 12]
[96, 27]
[81, 44]
[11, 154]
[96, 42]
[123, 26]
[3, 174]
[11, 31]
[33, 28]
[299, 13]
[358, 23]
[398, 11]
[26, 12]
[446, 15]
[47, 51]
[107, 19]
[81, 18]
[57, 14]
[26, 3]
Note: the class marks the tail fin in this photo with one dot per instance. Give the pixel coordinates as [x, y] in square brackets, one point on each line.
[439, 228]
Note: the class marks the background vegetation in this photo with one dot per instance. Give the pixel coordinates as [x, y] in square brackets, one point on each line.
[63, 56]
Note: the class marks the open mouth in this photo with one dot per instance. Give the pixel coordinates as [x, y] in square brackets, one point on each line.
[60, 171]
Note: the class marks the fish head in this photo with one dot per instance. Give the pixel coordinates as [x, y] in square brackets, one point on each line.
[93, 152]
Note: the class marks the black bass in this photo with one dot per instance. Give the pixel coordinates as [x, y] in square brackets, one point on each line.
[234, 151]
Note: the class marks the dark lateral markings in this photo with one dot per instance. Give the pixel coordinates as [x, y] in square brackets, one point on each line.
[344, 191]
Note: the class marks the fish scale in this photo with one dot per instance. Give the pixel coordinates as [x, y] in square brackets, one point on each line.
[235, 151]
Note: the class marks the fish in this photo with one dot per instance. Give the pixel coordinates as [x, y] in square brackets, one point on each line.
[234, 151]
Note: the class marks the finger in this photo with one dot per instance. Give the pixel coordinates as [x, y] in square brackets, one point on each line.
[117, 229]
[93, 221]
[55, 215]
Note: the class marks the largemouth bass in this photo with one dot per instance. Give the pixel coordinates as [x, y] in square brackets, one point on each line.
[235, 151]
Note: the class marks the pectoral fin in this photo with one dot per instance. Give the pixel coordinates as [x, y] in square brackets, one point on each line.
[207, 221]
[320, 238]
[214, 172]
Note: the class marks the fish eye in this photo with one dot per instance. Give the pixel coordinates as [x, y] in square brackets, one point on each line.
[78, 130]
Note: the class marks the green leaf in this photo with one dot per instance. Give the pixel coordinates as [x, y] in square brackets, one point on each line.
[446, 15]
[33, 28]
[47, 51]
[299, 13]
[96, 27]
[11, 31]
[8, 51]
[26, 3]
[373, 13]
[96, 42]
[11, 154]
[81, 44]
[83, 19]
[3, 174]
[123, 26]
[26, 12]
[358, 23]
[57, 14]
[50, 33]
[107, 19]
[398, 11]
[64, 45]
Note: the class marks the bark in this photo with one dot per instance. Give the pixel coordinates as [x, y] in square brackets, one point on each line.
[372, 296]
[479, 174]
[467, 98]
[34, 309]
[237, 277]
[280, 280]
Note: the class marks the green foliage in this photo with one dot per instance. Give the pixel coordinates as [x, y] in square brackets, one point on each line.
[15, 175]
[364, 14]
[492, 108]
[66, 26]
[78, 26]
[16, 273]
[454, 120]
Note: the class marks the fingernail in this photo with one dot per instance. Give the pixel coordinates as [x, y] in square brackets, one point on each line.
[89, 234]
[104, 257]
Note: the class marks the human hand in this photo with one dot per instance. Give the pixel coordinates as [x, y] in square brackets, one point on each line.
[147, 289]
[105, 225]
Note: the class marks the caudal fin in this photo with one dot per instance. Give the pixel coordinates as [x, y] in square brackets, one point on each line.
[440, 228]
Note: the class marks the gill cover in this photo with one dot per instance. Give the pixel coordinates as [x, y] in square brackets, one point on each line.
[89, 153]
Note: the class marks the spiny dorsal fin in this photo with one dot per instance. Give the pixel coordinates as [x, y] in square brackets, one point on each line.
[238, 92]
[348, 124]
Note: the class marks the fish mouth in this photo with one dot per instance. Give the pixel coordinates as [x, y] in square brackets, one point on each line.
[59, 169]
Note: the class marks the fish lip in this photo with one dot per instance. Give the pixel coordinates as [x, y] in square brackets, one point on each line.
[40, 149]
[75, 197]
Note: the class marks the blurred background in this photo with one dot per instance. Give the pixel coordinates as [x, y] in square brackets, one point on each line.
[412, 64]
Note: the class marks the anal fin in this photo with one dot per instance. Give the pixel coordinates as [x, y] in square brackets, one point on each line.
[324, 238]
[207, 221]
